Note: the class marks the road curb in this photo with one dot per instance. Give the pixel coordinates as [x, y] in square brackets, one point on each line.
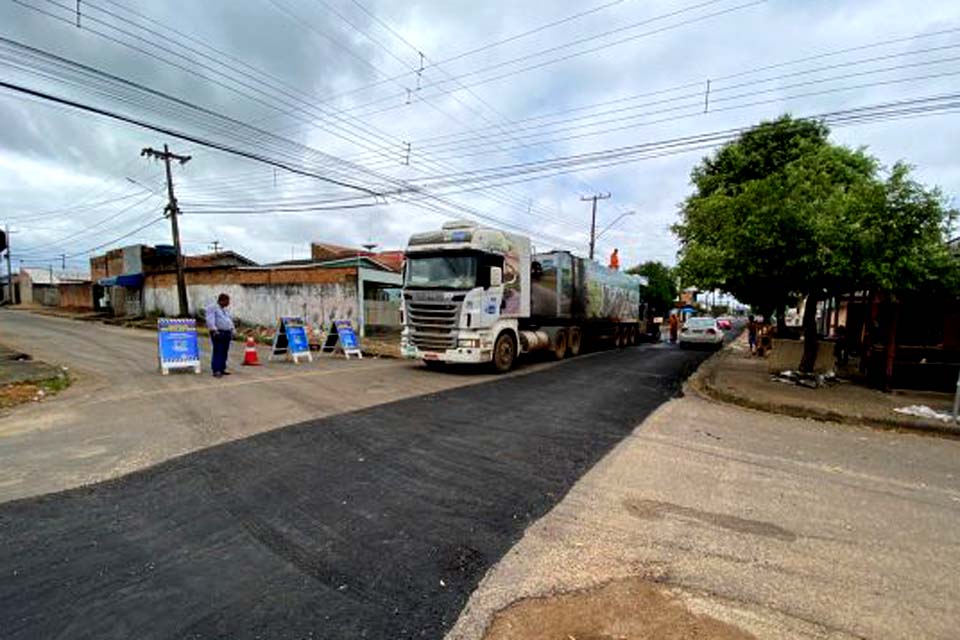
[701, 384]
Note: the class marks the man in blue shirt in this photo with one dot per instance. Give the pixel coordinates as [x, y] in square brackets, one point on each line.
[220, 325]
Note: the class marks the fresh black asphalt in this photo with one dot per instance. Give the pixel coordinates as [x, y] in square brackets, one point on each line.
[372, 524]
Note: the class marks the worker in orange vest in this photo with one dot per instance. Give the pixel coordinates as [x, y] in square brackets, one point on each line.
[615, 260]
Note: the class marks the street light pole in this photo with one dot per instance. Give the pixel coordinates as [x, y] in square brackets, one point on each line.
[619, 218]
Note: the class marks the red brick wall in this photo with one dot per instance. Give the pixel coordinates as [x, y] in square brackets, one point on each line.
[109, 264]
[230, 275]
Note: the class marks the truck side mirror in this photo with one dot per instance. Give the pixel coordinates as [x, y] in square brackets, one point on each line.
[496, 276]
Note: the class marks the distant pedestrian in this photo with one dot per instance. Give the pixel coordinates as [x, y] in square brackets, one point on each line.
[674, 327]
[615, 260]
[840, 347]
[752, 328]
[220, 326]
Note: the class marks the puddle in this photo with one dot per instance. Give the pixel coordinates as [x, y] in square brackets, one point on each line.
[628, 609]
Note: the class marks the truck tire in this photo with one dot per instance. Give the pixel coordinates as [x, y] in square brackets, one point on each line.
[560, 344]
[574, 339]
[504, 353]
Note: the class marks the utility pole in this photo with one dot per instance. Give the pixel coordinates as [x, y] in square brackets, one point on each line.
[215, 245]
[6, 231]
[63, 262]
[593, 217]
[172, 212]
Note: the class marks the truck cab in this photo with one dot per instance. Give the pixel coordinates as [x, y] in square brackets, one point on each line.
[465, 289]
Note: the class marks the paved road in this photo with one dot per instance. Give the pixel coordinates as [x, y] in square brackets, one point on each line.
[122, 415]
[784, 528]
[376, 523]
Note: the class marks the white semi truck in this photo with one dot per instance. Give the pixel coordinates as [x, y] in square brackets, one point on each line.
[474, 294]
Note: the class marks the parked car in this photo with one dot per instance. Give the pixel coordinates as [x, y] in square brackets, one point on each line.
[725, 323]
[701, 332]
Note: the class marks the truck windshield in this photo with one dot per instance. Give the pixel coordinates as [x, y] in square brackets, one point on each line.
[442, 272]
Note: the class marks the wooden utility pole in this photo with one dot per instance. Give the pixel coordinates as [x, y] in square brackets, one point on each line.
[172, 212]
[593, 217]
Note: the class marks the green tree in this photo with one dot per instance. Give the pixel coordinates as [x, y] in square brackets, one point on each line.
[781, 212]
[661, 290]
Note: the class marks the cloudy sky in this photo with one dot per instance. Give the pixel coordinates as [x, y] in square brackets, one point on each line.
[395, 116]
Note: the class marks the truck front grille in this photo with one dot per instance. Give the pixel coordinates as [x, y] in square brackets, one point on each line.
[433, 324]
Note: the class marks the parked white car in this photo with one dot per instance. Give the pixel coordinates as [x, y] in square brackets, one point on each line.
[701, 331]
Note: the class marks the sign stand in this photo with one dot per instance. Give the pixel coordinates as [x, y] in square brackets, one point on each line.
[349, 344]
[331, 341]
[177, 346]
[343, 340]
[291, 340]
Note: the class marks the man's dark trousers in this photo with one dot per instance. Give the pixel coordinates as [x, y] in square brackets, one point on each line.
[221, 346]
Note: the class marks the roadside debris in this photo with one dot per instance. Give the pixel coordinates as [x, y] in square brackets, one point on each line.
[809, 380]
[923, 411]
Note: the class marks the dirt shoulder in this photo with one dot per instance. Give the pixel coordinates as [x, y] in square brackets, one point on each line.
[735, 377]
[23, 379]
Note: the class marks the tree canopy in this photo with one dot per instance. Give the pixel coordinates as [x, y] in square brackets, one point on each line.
[661, 289]
[782, 212]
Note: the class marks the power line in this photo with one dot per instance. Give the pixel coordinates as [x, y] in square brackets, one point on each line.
[693, 110]
[691, 97]
[88, 228]
[552, 61]
[220, 127]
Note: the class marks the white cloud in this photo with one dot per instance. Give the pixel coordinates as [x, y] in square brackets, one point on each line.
[55, 159]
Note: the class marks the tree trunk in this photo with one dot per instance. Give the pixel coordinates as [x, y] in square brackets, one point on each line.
[781, 320]
[891, 343]
[810, 337]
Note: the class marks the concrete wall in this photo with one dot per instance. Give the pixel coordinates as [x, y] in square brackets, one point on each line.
[260, 297]
[25, 284]
[261, 304]
[47, 295]
[76, 295]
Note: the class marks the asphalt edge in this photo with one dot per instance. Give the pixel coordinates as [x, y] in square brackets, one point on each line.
[701, 384]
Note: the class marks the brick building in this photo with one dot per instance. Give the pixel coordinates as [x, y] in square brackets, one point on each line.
[338, 284]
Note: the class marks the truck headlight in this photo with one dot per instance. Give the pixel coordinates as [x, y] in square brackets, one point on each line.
[469, 343]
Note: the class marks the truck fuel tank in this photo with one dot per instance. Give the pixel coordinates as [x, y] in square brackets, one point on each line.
[533, 340]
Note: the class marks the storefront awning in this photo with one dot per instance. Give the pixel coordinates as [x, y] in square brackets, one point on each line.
[132, 280]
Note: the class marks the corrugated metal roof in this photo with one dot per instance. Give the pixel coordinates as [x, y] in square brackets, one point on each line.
[39, 275]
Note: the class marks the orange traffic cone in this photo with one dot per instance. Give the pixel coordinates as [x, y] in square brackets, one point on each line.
[250, 353]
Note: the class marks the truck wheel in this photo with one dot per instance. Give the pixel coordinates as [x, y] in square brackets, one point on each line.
[559, 344]
[504, 353]
[573, 342]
